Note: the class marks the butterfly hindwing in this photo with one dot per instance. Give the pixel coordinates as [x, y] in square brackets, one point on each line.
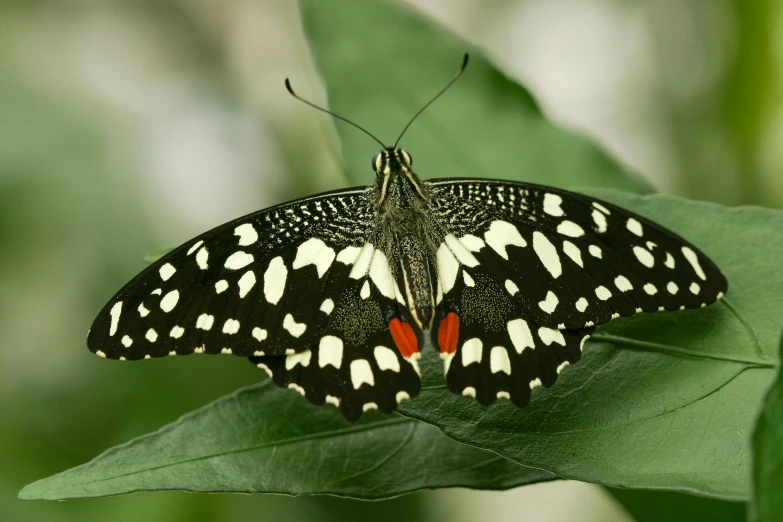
[263, 284]
[360, 362]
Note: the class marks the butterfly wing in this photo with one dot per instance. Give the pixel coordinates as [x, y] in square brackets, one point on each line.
[527, 271]
[297, 288]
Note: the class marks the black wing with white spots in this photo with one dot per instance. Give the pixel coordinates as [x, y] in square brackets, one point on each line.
[299, 289]
[248, 287]
[527, 271]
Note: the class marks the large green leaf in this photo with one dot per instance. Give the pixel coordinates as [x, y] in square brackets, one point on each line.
[666, 400]
[668, 506]
[263, 439]
[381, 62]
[768, 456]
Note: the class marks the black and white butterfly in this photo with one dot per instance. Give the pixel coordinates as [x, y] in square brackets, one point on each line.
[333, 294]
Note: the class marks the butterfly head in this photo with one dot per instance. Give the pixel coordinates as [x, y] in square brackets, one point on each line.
[391, 160]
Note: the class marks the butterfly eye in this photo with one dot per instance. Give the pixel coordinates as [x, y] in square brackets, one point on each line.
[376, 163]
[406, 158]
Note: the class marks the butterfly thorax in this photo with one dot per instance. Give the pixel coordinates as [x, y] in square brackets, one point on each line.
[407, 232]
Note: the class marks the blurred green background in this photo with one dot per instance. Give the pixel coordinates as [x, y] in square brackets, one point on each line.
[125, 126]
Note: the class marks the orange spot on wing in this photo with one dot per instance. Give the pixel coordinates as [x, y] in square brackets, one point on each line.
[448, 333]
[404, 337]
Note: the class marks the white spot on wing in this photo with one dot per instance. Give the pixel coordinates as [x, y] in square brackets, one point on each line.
[314, 252]
[166, 271]
[274, 280]
[650, 289]
[468, 280]
[361, 373]
[581, 304]
[472, 243]
[151, 335]
[552, 205]
[535, 383]
[202, 258]
[365, 291]
[302, 358]
[635, 227]
[143, 311]
[600, 221]
[623, 284]
[115, 313]
[603, 293]
[448, 267]
[520, 335]
[247, 234]
[327, 306]
[460, 251]
[176, 332]
[238, 259]
[562, 366]
[550, 303]
[549, 336]
[293, 386]
[501, 235]
[601, 208]
[348, 255]
[547, 254]
[195, 246]
[381, 275]
[471, 351]
[330, 351]
[294, 328]
[511, 287]
[693, 259]
[246, 283]
[369, 406]
[695, 288]
[402, 396]
[126, 341]
[570, 229]
[205, 321]
[331, 399]
[499, 361]
[386, 359]
[669, 263]
[169, 301]
[469, 391]
[259, 334]
[672, 287]
[595, 251]
[221, 286]
[572, 251]
[231, 326]
[362, 263]
[644, 256]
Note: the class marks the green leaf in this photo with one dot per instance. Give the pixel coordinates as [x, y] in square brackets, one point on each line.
[381, 62]
[768, 455]
[264, 439]
[662, 401]
[656, 506]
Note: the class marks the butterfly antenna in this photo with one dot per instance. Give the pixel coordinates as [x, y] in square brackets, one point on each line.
[456, 76]
[314, 106]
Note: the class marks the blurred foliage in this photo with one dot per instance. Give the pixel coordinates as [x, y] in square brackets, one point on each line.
[668, 506]
[98, 101]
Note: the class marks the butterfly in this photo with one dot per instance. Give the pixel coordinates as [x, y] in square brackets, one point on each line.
[332, 295]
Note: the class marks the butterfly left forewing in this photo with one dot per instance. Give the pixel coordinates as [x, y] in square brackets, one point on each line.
[262, 284]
